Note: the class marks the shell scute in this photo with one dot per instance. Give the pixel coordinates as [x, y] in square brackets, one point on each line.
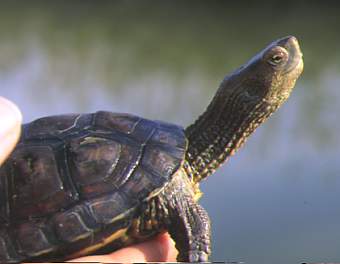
[37, 188]
[124, 123]
[93, 159]
[159, 161]
[73, 224]
[169, 135]
[52, 125]
[141, 184]
[100, 165]
[105, 209]
[32, 239]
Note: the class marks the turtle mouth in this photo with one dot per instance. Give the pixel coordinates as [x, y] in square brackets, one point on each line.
[295, 62]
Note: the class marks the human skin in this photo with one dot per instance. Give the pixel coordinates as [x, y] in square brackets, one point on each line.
[10, 121]
[160, 249]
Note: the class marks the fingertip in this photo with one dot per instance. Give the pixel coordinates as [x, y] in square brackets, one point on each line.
[10, 110]
[167, 247]
[10, 124]
[160, 249]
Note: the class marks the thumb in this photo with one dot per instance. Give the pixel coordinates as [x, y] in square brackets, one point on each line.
[10, 121]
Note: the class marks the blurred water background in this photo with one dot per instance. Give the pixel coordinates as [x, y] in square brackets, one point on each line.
[278, 199]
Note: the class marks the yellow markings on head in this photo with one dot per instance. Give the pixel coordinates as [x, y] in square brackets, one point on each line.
[102, 243]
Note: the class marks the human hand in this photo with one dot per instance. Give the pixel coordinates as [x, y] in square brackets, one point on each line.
[159, 249]
[10, 124]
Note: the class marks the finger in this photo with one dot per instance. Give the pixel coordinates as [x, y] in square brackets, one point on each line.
[10, 121]
[160, 249]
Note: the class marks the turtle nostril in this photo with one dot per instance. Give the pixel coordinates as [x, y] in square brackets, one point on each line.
[289, 40]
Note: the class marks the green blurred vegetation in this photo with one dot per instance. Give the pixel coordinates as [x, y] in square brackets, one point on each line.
[169, 35]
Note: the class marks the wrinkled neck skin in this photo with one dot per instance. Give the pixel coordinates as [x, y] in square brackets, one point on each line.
[237, 109]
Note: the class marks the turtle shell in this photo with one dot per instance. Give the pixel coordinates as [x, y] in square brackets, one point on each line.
[75, 181]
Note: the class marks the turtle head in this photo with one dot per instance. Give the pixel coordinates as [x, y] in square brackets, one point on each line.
[270, 76]
[257, 89]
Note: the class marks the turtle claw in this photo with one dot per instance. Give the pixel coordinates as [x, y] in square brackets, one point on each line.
[193, 256]
[198, 256]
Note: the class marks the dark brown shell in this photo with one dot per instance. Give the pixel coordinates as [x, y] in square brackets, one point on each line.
[74, 178]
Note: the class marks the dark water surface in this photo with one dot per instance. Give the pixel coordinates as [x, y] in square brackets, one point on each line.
[278, 199]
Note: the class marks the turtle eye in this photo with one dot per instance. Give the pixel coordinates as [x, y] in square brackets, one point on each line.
[276, 59]
[277, 56]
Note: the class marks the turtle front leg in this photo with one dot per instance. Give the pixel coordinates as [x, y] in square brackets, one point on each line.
[189, 226]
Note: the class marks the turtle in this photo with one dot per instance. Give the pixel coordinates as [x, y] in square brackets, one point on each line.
[79, 184]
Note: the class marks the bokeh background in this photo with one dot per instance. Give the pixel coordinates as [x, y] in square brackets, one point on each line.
[278, 199]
